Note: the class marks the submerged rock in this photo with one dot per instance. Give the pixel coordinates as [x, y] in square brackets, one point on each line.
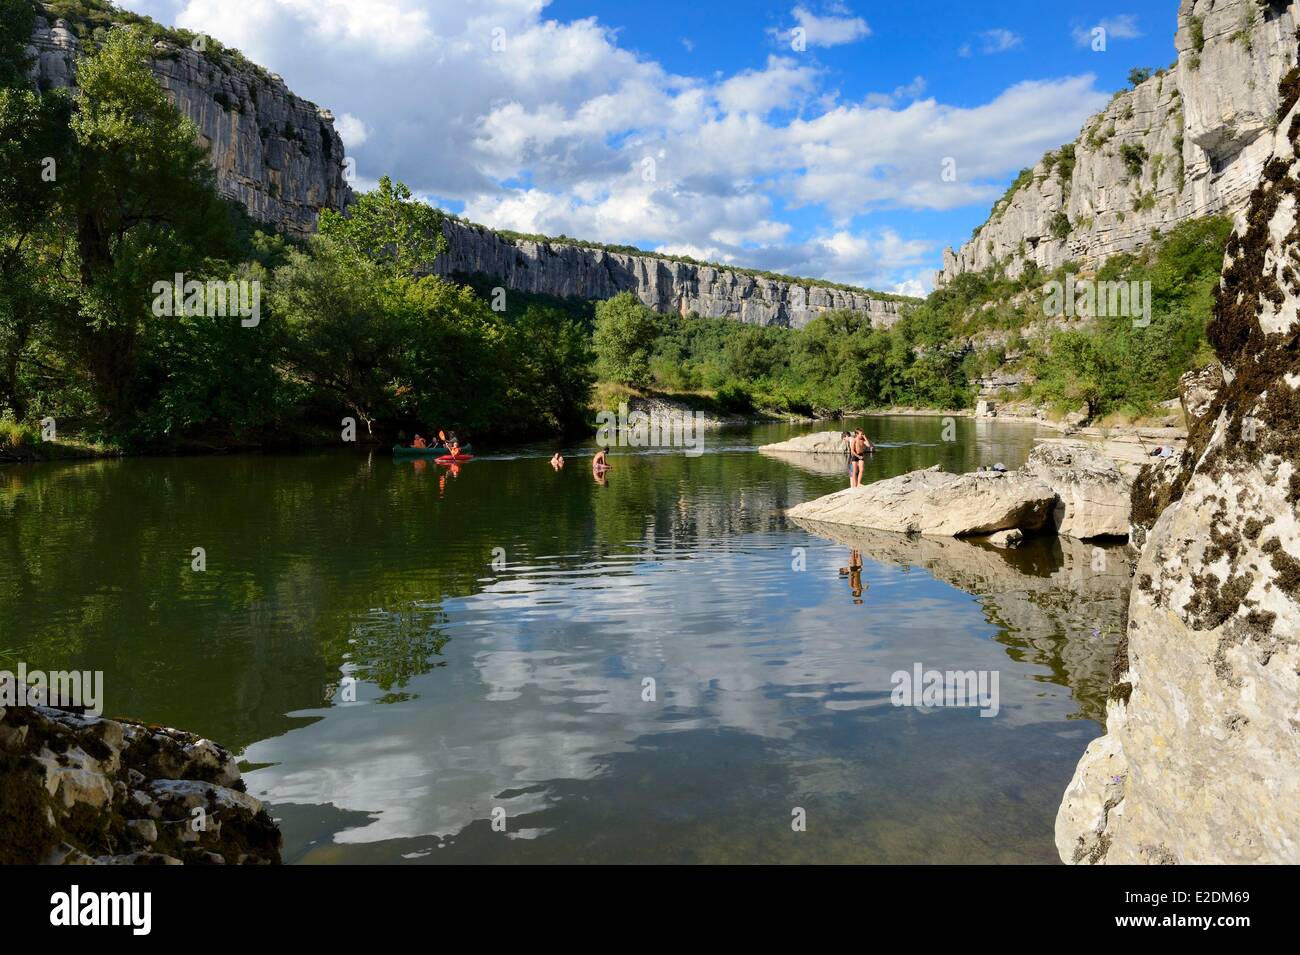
[937, 503]
[1201, 760]
[1093, 499]
[79, 790]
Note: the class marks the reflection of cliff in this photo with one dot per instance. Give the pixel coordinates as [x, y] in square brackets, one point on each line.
[1054, 607]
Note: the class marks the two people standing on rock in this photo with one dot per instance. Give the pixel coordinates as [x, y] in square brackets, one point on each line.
[859, 446]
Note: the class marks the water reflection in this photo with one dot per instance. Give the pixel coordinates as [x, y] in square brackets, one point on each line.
[522, 686]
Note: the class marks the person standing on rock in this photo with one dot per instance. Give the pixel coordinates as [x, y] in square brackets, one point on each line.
[859, 445]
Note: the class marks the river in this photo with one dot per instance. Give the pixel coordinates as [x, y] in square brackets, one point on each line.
[511, 664]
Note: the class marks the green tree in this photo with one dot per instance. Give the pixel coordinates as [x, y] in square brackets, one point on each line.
[553, 354]
[35, 145]
[345, 336]
[389, 228]
[625, 335]
[144, 206]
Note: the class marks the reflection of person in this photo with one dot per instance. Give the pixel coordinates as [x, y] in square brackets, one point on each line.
[453, 470]
[854, 573]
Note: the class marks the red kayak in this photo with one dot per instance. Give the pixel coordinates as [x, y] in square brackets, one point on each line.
[454, 459]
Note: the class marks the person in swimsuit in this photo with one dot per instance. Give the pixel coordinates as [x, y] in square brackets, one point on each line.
[601, 461]
[857, 448]
[858, 453]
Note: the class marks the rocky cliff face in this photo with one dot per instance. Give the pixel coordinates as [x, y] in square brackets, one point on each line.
[1201, 759]
[572, 271]
[273, 151]
[1188, 142]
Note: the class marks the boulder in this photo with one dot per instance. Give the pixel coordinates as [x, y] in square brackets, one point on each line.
[1092, 496]
[1007, 538]
[819, 442]
[1077, 418]
[937, 503]
[1201, 758]
[1198, 389]
[79, 790]
[984, 408]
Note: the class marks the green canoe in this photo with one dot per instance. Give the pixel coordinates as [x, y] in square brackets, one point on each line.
[401, 451]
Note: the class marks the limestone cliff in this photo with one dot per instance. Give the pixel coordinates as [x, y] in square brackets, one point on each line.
[1188, 142]
[1201, 759]
[573, 271]
[273, 151]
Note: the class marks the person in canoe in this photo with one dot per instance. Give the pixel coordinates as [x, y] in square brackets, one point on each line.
[419, 442]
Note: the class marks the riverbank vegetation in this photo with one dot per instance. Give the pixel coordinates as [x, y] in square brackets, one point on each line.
[106, 196]
[838, 362]
[106, 193]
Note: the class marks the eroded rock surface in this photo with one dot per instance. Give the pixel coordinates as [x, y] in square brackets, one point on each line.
[275, 152]
[1186, 143]
[77, 789]
[1092, 496]
[573, 271]
[1201, 759]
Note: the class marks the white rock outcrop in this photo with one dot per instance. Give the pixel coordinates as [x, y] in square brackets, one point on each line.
[1093, 499]
[1201, 759]
[569, 270]
[1186, 143]
[937, 503]
[78, 790]
[275, 152]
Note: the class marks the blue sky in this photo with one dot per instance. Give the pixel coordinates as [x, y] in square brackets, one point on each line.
[712, 127]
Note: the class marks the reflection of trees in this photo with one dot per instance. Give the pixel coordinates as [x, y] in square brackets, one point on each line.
[390, 647]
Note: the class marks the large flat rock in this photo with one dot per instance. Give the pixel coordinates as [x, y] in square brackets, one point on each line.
[937, 503]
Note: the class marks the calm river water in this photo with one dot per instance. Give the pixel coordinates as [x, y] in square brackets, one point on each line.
[519, 689]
